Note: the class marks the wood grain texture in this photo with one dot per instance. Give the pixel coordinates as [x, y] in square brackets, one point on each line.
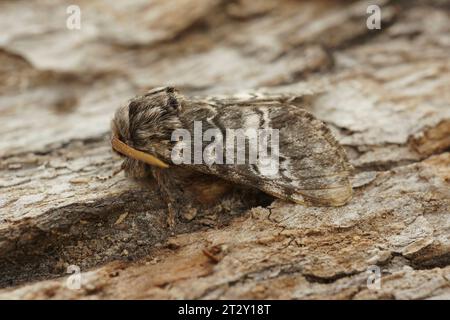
[384, 94]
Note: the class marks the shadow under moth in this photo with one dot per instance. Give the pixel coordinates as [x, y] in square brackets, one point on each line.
[311, 167]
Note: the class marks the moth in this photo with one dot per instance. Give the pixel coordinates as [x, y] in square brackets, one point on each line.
[312, 168]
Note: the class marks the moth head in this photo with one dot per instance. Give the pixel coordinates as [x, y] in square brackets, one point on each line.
[144, 126]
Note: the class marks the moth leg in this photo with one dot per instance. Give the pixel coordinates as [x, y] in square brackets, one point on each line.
[118, 170]
[168, 195]
[171, 215]
[189, 194]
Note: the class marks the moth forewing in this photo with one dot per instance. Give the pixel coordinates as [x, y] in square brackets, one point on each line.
[312, 167]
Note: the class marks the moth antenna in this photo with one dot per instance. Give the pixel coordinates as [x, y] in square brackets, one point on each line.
[130, 152]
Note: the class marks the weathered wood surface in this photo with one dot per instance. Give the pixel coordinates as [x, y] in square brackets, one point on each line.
[385, 94]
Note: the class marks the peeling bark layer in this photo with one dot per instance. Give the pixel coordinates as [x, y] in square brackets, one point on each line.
[384, 93]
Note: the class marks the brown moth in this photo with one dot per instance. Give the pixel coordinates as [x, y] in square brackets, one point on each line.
[312, 167]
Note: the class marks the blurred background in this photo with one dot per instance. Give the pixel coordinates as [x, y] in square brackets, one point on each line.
[65, 66]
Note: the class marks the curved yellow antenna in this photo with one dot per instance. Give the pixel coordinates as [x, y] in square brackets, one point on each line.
[130, 152]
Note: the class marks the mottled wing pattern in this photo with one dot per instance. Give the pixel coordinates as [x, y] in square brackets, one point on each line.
[313, 167]
[256, 97]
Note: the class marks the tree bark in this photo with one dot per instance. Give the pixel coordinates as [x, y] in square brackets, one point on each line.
[384, 93]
